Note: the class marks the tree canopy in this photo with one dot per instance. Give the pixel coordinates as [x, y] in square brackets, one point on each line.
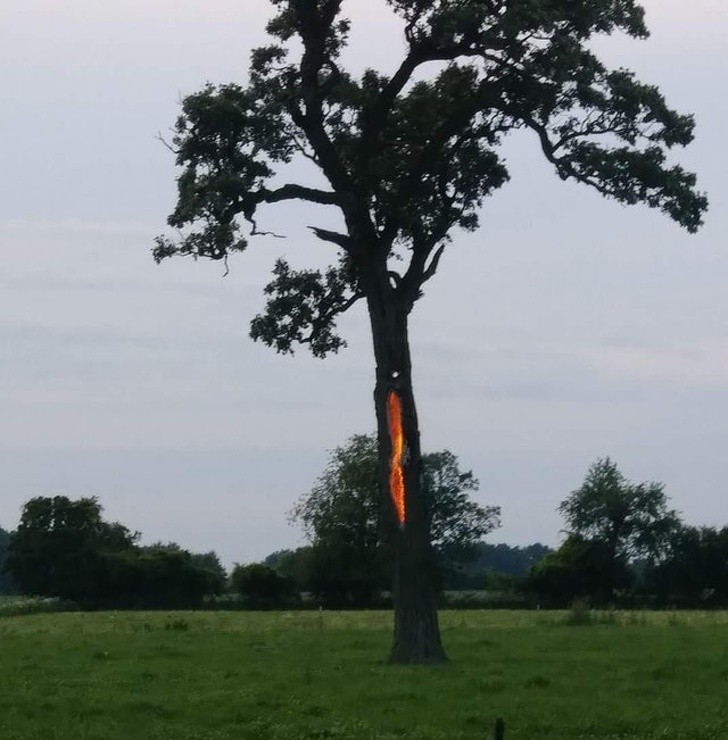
[57, 546]
[409, 155]
[612, 526]
[632, 519]
[695, 571]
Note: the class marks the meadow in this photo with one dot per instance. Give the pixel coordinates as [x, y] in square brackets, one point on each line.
[306, 675]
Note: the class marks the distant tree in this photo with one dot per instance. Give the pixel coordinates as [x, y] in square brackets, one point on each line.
[6, 582]
[151, 578]
[496, 567]
[290, 564]
[260, 583]
[406, 160]
[342, 517]
[508, 559]
[457, 523]
[580, 568]
[695, 572]
[632, 520]
[209, 563]
[59, 546]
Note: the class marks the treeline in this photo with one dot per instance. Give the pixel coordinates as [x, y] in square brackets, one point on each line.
[624, 546]
[334, 581]
[65, 549]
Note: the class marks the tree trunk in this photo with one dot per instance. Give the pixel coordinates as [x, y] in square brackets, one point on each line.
[416, 629]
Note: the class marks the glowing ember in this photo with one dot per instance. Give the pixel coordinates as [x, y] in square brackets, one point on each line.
[396, 473]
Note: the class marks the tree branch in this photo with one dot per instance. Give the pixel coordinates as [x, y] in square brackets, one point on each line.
[341, 240]
[431, 269]
[298, 192]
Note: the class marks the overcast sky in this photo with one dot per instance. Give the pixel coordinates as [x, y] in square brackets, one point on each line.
[567, 328]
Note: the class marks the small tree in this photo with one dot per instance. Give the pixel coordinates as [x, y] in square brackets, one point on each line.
[406, 159]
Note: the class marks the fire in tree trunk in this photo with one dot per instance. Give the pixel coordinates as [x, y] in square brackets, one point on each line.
[406, 520]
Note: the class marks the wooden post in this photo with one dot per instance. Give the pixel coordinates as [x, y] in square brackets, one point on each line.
[500, 729]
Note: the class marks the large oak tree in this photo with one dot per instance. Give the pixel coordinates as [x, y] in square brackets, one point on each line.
[407, 158]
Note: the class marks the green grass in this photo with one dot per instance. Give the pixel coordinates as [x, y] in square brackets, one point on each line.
[232, 675]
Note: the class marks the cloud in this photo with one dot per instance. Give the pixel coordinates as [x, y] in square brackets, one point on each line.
[700, 365]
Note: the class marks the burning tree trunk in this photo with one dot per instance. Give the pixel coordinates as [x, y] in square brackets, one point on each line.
[406, 520]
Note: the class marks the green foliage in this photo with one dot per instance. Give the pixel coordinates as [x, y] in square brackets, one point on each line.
[59, 547]
[695, 573]
[151, 578]
[260, 583]
[579, 569]
[631, 519]
[293, 565]
[64, 548]
[348, 559]
[208, 563]
[216, 575]
[296, 676]
[410, 158]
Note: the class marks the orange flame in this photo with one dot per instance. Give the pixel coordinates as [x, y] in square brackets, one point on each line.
[396, 472]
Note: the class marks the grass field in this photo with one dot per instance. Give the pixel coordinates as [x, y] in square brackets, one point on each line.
[232, 675]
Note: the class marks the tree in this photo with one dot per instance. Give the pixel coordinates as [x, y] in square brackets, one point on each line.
[632, 520]
[293, 565]
[695, 572]
[342, 516]
[457, 524]
[59, 546]
[406, 160]
[209, 564]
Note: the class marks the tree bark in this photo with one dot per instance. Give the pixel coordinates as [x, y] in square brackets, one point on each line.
[416, 630]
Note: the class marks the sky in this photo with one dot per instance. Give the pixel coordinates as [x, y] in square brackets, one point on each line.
[567, 328]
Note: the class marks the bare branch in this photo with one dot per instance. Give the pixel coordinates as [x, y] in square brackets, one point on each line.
[161, 138]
